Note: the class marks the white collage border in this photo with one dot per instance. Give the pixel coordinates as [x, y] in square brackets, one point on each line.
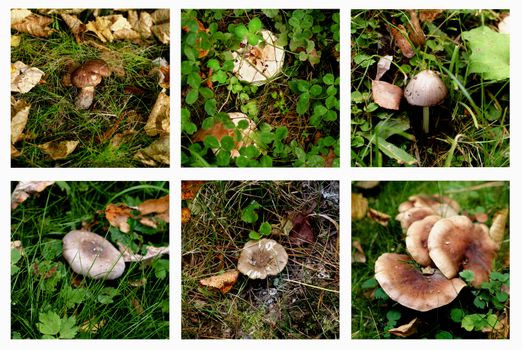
[345, 174]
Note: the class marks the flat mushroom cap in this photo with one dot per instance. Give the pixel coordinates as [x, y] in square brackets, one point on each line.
[261, 258]
[258, 64]
[417, 239]
[404, 283]
[426, 89]
[92, 255]
[456, 244]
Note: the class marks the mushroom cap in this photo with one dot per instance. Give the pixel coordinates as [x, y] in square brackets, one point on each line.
[413, 214]
[417, 239]
[90, 73]
[92, 255]
[404, 283]
[456, 244]
[419, 206]
[425, 89]
[258, 64]
[259, 259]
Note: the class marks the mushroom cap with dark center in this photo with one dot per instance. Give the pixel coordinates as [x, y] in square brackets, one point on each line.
[425, 89]
[261, 258]
[92, 255]
[456, 244]
[407, 285]
[417, 239]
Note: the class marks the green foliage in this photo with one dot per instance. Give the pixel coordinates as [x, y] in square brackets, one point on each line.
[52, 326]
[107, 295]
[249, 214]
[161, 268]
[15, 257]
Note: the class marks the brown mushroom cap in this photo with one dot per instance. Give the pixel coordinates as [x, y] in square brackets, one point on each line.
[261, 258]
[456, 244]
[425, 89]
[417, 239]
[404, 283]
[92, 255]
[86, 77]
[419, 206]
[413, 214]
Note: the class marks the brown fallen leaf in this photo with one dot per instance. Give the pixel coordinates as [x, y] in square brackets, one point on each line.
[162, 32]
[47, 274]
[23, 77]
[92, 326]
[137, 306]
[118, 215]
[58, 149]
[159, 118]
[417, 36]
[224, 282]
[33, 24]
[24, 189]
[189, 189]
[358, 255]
[386, 95]
[400, 36]
[185, 215]
[138, 283]
[429, 15]
[160, 16]
[155, 206]
[18, 15]
[19, 115]
[76, 26]
[302, 232]
[161, 70]
[151, 253]
[405, 330]
[156, 153]
[378, 217]
[283, 227]
[498, 226]
[359, 206]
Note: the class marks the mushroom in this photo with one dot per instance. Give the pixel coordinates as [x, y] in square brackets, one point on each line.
[408, 217]
[419, 206]
[426, 89]
[456, 244]
[92, 255]
[417, 239]
[86, 77]
[259, 63]
[261, 258]
[404, 283]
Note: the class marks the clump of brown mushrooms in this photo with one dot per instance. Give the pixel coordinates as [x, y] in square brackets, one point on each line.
[443, 243]
[262, 258]
[86, 77]
[426, 89]
[91, 255]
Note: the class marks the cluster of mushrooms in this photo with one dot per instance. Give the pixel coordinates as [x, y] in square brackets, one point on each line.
[442, 243]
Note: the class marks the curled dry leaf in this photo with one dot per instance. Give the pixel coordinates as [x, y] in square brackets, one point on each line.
[405, 330]
[18, 15]
[429, 15]
[417, 36]
[162, 71]
[32, 24]
[162, 32]
[92, 326]
[118, 215]
[283, 227]
[185, 215]
[156, 206]
[301, 232]
[358, 255]
[498, 226]
[386, 95]
[137, 306]
[24, 189]
[359, 206]
[19, 115]
[383, 66]
[189, 189]
[156, 153]
[151, 252]
[378, 217]
[224, 282]
[23, 77]
[58, 149]
[400, 36]
[76, 26]
[159, 118]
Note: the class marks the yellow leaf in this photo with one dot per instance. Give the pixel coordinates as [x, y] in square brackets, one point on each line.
[224, 282]
[405, 330]
[159, 118]
[19, 116]
[359, 206]
[58, 149]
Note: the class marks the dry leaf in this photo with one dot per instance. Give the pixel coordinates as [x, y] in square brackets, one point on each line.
[15, 40]
[137, 306]
[18, 15]
[160, 16]
[189, 189]
[33, 24]
[283, 227]
[417, 36]
[23, 77]
[138, 283]
[58, 149]
[24, 189]
[378, 217]
[302, 230]
[162, 32]
[405, 330]
[91, 326]
[429, 15]
[75, 25]
[144, 24]
[152, 252]
[358, 255]
[117, 215]
[359, 206]
[162, 71]
[159, 118]
[19, 116]
[185, 215]
[149, 206]
[383, 66]
[224, 282]
[400, 36]
[156, 152]
[498, 226]
[386, 95]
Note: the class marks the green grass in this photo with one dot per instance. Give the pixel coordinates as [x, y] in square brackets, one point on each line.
[302, 302]
[123, 308]
[369, 313]
[53, 115]
[471, 126]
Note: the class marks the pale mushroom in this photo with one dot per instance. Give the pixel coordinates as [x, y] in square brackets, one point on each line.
[426, 89]
[262, 258]
[92, 255]
[417, 239]
[404, 283]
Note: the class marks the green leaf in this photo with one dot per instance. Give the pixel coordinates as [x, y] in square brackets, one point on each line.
[320, 110]
[220, 76]
[68, 329]
[206, 93]
[254, 39]
[281, 133]
[72, 296]
[329, 79]
[15, 255]
[489, 53]
[303, 103]
[270, 13]
[187, 67]
[194, 80]
[249, 214]
[381, 294]
[161, 268]
[369, 283]
[251, 152]
[265, 161]
[393, 315]
[211, 107]
[107, 294]
[456, 314]
[213, 64]
[52, 249]
[265, 228]
[443, 335]
[227, 143]
[315, 90]
[241, 31]
[49, 323]
[192, 96]
[211, 141]
[255, 25]
[254, 235]
[223, 158]
[501, 296]
[392, 151]
[303, 56]
[467, 275]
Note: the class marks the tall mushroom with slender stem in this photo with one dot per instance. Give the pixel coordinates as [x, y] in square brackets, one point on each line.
[426, 89]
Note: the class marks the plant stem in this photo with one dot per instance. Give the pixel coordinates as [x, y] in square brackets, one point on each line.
[426, 119]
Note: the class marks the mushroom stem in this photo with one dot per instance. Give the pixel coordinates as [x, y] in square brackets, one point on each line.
[426, 119]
